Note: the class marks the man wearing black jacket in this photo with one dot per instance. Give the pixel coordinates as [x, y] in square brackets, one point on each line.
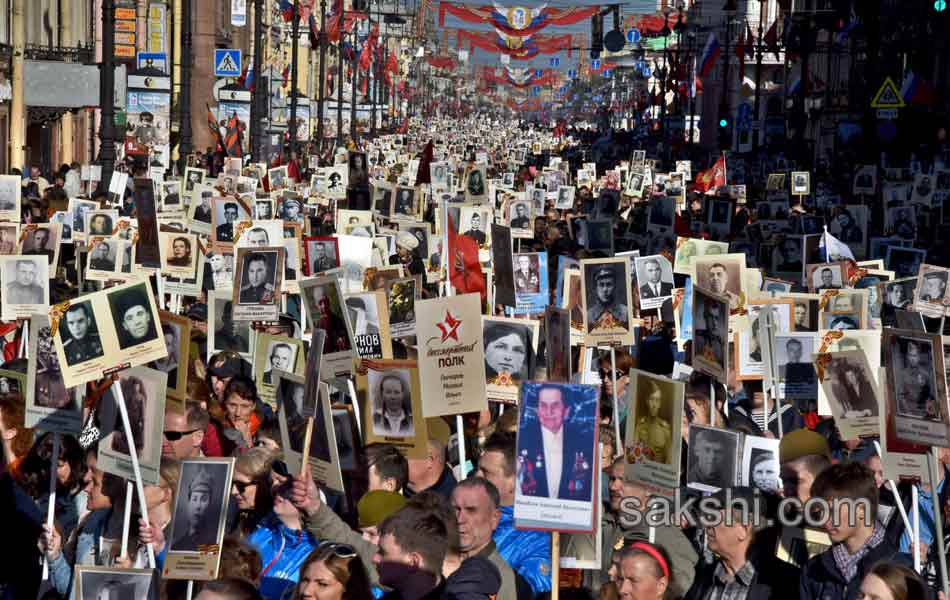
[858, 540]
[743, 569]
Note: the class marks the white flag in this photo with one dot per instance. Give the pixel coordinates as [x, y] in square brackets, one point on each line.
[834, 248]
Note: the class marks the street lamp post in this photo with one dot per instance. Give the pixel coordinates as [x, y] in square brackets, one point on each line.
[107, 94]
[257, 99]
[184, 95]
[292, 126]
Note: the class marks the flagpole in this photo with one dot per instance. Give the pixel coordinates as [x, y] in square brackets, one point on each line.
[322, 38]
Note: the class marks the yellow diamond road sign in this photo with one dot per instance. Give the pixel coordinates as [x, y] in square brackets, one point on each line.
[888, 96]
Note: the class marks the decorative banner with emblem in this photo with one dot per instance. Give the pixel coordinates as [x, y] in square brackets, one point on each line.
[451, 355]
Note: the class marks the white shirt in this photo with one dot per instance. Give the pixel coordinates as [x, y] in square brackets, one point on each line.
[553, 444]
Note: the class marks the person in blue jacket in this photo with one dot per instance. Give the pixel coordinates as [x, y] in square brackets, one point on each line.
[528, 552]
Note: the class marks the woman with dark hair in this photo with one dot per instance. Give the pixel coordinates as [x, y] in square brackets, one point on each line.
[892, 581]
[508, 351]
[852, 389]
[848, 231]
[239, 423]
[34, 474]
[333, 572]
[133, 390]
[392, 413]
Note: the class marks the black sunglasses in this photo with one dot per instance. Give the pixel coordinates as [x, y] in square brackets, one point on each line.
[174, 436]
[340, 550]
[242, 485]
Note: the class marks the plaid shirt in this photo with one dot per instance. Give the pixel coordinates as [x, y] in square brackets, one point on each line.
[727, 587]
[846, 562]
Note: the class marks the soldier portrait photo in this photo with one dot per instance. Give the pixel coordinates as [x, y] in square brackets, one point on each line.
[712, 458]
[80, 335]
[653, 431]
[49, 391]
[322, 254]
[100, 583]
[710, 333]
[912, 362]
[199, 505]
[527, 273]
[25, 282]
[227, 212]
[258, 279]
[42, 241]
[102, 256]
[228, 334]
[132, 316]
[475, 224]
[605, 292]
[520, 216]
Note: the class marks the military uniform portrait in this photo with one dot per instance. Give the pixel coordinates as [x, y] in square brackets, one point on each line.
[227, 212]
[258, 278]
[520, 216]
[713, 453]
[43, 240]
[474, 224]
[49, 391]
[606, 295]
[527, 274]
[228, 333]
[102, 256]
[102, 583]
[80, 334]
[199, 505]
[25, 286]
[710, 333]
[322, 254]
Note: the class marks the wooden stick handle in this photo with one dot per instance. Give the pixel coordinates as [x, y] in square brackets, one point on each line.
[555, 564]
[305, 453]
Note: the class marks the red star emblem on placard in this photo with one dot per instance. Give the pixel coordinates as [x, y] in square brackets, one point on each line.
[449, 327]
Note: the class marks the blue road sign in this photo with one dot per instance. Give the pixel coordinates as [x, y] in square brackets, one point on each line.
[227, 62]
[572, 74]
[156, 60]
[608, 72]
[538, 72]
[633, 36]
[555, 61]
[595, 64]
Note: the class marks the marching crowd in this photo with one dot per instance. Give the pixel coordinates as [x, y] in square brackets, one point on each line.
[432, 528]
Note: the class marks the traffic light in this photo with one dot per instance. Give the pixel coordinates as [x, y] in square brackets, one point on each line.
[596, 35]
[940, 5]
[725, 133]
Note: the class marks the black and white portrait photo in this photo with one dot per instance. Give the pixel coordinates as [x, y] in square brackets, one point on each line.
[110, 583]
[801, 183]
[527, 274]
[509, 353]
[49, 391]
[711, 464]
[133, 316]
[390, 399]
[25, 285]
[825, 276]
[404, 205]
[606, 295]
[655, 278]
[794, 361]
[905, 262]
[258, 277]
[475, 224]
[280, 356]
[358, 173]
[80, 334]
[760, 466]
[322, 254]
[102, 256]
[42, 240]
[100, 222]
[600, 236]
[565, 197]
[203, 491]
[710, 333]
[519, 215]
[912, 361]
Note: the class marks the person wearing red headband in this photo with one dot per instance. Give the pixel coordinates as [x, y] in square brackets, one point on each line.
[644, 572]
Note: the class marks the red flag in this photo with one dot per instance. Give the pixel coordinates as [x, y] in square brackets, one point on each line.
[392, 68]
[712, 178]
[215, 129]
[334, 22]
[423, 174]
[366, 57]
[465, 271]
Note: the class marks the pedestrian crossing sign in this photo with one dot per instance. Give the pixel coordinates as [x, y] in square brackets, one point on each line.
[888, 96]
[227, 63]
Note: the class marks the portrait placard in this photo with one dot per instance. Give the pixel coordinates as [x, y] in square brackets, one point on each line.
[120, 324]
[41, 239]
[324, 458]
[851, 390]
[557, 332]
[256, 294]
[557, 449]
[713, 458]
[750, 358]
[722, 274]
[322, 254]
[77, 209]
[50, 406]
[403, 294]
[584, 550]
[273, 354]
[326, 310]
[179, 254]
[606, 301]
[391, 397]
[199, 519]
[452, 360]
[25, 284]
[841, 310]
[200, 210]
[654, 420]
[797, 381]
[144, 392]
[519, 219]
[689, 248]
[11, 188]
[655, 278]
[710, 322]
[916, 386]
[930, 297]
[511, 346]
[95, 583]
[503, 266]
[147, 251]
[369, 318]
[760, 466]
[826, 276]
[176, 332]
[188, 286]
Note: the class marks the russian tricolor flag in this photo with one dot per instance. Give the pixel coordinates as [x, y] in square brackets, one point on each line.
[710, 55]
[916, 91]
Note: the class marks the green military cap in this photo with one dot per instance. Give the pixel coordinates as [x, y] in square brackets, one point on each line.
[375, 506]
[802, 442]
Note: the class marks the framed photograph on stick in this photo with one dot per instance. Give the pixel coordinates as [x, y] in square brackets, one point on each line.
[510, 349]
[176, 332]
[547, 498]
[391, 399]
[50, 405]
[916, 386]
[275, 354]
[95, 583]
[710, 333]
[606, 301]
[654, 419]
[199, 518]
[851, 390]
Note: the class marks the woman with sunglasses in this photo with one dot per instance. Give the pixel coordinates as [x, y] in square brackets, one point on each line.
[333, 572]
[251, 489]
